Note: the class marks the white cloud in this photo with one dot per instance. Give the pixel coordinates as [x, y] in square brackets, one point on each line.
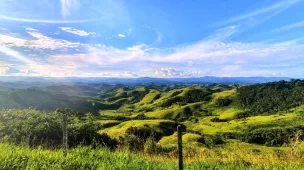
[121, 35]
[274, 9]
[67, 7]
[100, 55]
[198, 73]
[223, 33]
[77, 31]
[41, 42]
[30, 29]
[290, 26]
[169, 72]
[209, 56]
[124, 74]
[3, 29]
[212, 56]
[10, 71]
[125, 33]
[10, 52]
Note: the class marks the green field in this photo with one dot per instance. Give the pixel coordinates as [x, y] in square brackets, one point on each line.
[17, 157]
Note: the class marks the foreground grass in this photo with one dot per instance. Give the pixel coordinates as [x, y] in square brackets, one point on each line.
[17, 157]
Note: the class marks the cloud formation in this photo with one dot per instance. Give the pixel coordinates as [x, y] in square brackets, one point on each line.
[169, 72]
[77, 31]
[121, 35]
[40, 42]
[290, 26]
[274, 9]
[214, 56]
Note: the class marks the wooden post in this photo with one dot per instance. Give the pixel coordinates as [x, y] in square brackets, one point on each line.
[65, 133]
[180, 147]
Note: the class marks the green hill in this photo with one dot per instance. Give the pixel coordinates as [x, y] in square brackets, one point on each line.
[253, 121]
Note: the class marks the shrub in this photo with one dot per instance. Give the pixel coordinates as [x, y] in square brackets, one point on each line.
[271, 136]
[151, 147]
[217, 119]
[211, 141]
[133, 143]
[223, 102]
[44, 128]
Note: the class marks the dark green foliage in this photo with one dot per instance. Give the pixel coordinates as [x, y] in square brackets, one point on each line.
[122, 95]
[164, 129]
[133, 143]
[196, 95]
[141, 117]
[33, 128]
[151, 147]
[212, 140]
[272, 97]
[191, 96]
[187, 112]
[217, 119]
[223, 102]
[137, 95]
[271, 136]
[142, 133]
[244, 114]
[97, 105]
[176, 93]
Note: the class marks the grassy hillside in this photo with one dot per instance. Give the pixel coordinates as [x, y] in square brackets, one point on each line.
[216, 111]
[219, 123]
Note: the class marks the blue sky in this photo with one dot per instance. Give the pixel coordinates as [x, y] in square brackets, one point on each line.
[132, 38]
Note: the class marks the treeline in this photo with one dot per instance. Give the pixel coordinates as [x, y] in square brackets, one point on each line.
[31, 127]
[271, 97]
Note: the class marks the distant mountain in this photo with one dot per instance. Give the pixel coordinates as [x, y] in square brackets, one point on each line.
[41, 81]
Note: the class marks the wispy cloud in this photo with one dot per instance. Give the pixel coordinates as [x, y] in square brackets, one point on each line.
[15, 54]
[67, 6]
[213, 56]
[125, 33]
[272, 9]
[290, 26]
[30, 29]
[223, 34]
[10, 71]
[169, 72]
[41, 42]
[77, 31]
[172, 72]
[159, 37]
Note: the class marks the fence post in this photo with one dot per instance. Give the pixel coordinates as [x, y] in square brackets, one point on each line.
[180, 147]
[65, 133]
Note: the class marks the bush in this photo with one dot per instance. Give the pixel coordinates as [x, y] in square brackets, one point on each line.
[211, 141]
[217, 119]
[244, 114]
[34, 128]
[151, 147]
[271, 136]
[133, 143]
[223, 102]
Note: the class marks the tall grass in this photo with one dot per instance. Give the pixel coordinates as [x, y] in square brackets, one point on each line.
[17, 157]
